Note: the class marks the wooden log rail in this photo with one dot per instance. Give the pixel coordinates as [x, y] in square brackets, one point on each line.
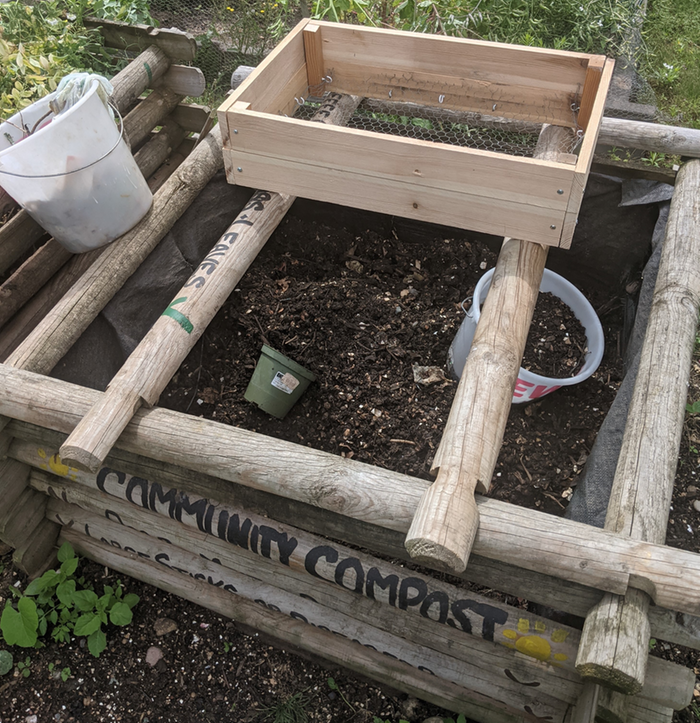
[524, 538]
[346, 587]
[445, 525]
[617, 631]
[158, 356]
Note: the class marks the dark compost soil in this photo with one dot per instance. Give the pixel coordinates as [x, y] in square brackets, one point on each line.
[360, 313]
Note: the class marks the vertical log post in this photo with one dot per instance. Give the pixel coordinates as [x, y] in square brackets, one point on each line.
[445, 524]
[615, 643]
[152, 364]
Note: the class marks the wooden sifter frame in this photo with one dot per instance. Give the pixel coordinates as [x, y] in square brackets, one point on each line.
[524, 198]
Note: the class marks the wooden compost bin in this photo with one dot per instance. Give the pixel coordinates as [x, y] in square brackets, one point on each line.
[240, 523]
[525, 198]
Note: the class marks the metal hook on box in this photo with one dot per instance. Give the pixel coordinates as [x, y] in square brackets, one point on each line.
[327, 79]
[300, 101]
[390, 92]
[441, 98]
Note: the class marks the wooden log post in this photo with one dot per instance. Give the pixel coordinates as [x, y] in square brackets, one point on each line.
[149, 113]
[524, 538]
[142, 72]
[153, 363]
[616, 633]
[446, 521]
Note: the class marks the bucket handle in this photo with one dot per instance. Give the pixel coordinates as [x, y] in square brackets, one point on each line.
[468, 300]
[77, 170]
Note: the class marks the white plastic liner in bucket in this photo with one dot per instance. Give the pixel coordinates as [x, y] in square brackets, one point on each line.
[75, 176]
[530, 386]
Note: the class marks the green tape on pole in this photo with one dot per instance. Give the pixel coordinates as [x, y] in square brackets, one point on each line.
[148, 71]
[179, 317]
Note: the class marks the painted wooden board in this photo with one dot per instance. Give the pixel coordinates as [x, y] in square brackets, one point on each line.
[526, 538]
[676, 628]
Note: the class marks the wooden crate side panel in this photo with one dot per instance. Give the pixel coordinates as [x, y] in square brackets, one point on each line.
[276, 77]
[524, 83]
[585, 159]
[453, 186]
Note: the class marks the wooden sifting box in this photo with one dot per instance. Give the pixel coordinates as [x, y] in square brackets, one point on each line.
[474, 86]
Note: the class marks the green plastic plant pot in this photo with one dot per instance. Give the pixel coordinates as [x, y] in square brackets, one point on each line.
[277, 383]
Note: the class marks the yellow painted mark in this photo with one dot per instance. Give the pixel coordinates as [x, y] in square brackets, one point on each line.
[540, 627]
[41, 453]
[534, 646]
[523, 625]
[560, 656]
[511, 634]
[559, 635]
[57, 467]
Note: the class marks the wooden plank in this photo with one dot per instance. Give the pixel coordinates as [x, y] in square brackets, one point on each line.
[525, 538]
[407, 177]
[617, 629]
[524, 83]
[30, 277]
[277, 71]
[175, 43]
[587, 704]
[681, 629]
[50, 340]
[594, 74]
[445, 525]
[337, 649]
[191, 117]
[316, 567]
[313, 52]
[466, 660]
[585, 158]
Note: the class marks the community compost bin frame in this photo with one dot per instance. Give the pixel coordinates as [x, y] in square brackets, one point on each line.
[202, 510]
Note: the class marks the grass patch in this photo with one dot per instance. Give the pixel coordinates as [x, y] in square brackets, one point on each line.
[672, 63]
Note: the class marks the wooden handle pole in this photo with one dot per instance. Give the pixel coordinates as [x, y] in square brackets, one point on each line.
[152, 364]
[445, 524]
[616, 634]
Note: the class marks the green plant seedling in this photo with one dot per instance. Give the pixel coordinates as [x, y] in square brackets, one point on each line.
[460, 719]
[693, 408]
[6, 662]
[334, 686]
[65, 672]
[55, 602]
[289, 710]
[23, 666]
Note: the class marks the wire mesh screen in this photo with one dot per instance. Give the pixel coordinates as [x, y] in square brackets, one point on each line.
[441, 125]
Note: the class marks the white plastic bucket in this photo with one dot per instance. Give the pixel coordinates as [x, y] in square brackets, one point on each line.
[531, 386]
[75, 176]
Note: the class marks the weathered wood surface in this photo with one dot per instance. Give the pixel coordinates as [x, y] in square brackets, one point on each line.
[469, 661]
[614, 706]
[537, 587]
[144, 70]
[616, 634]
[586, 706]
[356, 584]
[33, 277]
[59, 329]
[37, 552]
[650, 137]
[296, 631]
[525, 538]
[30, 278]
[149, 113]
[339, 650]
[16, 238]
[177, 44]
[159, 355]
[446, 522]
[185, 80]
